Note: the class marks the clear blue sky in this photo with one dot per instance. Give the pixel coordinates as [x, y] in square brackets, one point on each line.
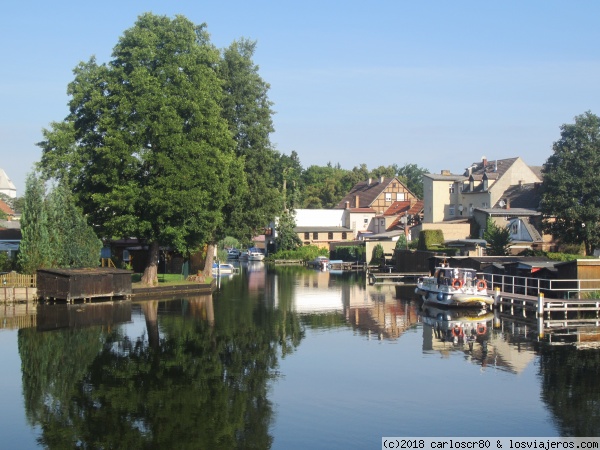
[434, 83]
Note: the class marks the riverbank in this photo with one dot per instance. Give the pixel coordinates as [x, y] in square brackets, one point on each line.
[29, 294]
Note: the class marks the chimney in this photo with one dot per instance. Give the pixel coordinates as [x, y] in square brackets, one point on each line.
[357, 202]
[347, 205]
[484, 162]
[369, 181]
[381, 179]
[508, 203]
[445, 172]
[520, 184]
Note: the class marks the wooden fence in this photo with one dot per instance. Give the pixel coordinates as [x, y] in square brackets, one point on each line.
[14, 279]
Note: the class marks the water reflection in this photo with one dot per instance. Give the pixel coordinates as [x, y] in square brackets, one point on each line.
[196, 372]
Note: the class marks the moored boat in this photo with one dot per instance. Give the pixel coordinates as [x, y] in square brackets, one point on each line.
[224, 269]
[255, 254]
[454, 287]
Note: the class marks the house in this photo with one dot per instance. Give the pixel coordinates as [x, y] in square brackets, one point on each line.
[451, 201]
[7, 187]
[7, 210]
[10, 238]
[375, 206]
[320, 227]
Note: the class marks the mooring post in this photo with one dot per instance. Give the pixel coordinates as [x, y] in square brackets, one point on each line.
[496, 297]
[540, 305]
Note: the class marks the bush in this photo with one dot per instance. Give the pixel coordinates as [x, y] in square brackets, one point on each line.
[431, 240]
[305, 253]
[378, 256]
[6, 264]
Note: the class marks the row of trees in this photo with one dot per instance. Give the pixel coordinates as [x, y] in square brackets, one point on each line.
[55, 232]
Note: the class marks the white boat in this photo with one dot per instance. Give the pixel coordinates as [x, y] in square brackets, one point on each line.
[454, 287]
[224, 269]
[320, 262]
[255, 254]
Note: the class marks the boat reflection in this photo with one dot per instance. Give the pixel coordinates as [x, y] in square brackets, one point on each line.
[466, 330]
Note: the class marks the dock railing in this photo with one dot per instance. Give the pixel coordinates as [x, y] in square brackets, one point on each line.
[566, 289]
[14, 279]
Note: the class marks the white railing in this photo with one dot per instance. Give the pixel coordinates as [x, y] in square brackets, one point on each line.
[533, 286]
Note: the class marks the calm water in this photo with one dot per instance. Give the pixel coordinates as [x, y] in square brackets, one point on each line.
[284, 358]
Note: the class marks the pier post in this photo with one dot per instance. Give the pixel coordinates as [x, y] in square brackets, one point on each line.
[540, 305]
[496, 297]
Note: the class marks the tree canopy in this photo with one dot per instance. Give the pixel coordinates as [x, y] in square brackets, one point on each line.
[571, 186]
[497, 238]
[146, 148]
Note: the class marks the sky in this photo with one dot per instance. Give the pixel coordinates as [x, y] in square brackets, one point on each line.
[438, 84]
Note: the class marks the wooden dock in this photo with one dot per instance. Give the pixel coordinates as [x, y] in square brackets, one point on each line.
[394, 278]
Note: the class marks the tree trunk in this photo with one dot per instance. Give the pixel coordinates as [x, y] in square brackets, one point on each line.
[150, 276]
[150, 309]
[210, 257]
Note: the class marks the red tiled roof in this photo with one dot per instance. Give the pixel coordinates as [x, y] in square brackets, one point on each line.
[397, 208]
[6, 209]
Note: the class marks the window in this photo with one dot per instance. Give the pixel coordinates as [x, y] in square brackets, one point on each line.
[451, 210]
[451, 188]
[388, 196]
[484, 205]
[315, 235]
[344, 235]
[366, 221]
[306, 235]
[400, 196]
[330, 236]
[383, 222]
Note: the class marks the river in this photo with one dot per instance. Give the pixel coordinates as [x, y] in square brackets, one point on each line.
[281, 358]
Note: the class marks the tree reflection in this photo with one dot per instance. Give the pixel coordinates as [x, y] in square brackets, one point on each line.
[197, 379]
[571, 390]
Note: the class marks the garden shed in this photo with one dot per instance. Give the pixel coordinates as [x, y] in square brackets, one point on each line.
[83, 284]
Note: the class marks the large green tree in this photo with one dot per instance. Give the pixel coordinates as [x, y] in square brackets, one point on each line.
[571, 186]
[34, 249]
[145, 148]
[412, 176]
[247, 110]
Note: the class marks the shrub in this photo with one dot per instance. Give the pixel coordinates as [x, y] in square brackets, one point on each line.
[378, 256]
[349, 253]
[431, 240]
[305, 253]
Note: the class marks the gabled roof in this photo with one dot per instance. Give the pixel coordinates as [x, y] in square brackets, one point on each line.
[6, 185]
[367, 192]
[526, 196]
[496, 167]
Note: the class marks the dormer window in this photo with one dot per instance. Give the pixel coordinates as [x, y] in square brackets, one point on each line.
[471, 183]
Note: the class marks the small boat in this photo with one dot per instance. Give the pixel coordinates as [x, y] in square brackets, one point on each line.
[224, 269]
[255, 254]
[233, 253]
[320, 262]
[454, 287]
